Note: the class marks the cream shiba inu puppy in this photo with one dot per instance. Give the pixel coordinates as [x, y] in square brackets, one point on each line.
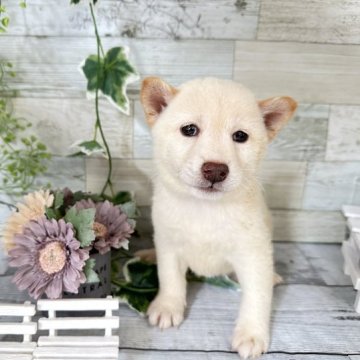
[209, 213]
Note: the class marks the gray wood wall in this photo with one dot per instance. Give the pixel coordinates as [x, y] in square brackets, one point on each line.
[307, 49]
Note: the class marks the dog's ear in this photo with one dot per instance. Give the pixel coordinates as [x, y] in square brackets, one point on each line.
[155, 97]
[276, 112]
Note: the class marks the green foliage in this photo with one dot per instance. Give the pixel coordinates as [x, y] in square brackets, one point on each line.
[22, 156]
[221, 281]
[82, 221]
[91, 275]
[89, 148]
[140, 285]
[110, 74]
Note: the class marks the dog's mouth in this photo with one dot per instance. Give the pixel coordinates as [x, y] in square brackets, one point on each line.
[209, 189]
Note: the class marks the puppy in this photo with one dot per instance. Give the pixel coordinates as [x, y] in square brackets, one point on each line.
[209, 213]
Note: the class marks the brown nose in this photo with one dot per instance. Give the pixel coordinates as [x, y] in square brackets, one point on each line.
[214, 172]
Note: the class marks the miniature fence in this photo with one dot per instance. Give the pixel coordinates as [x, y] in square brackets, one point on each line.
[78, 347]
[16, 349]
[351, 249]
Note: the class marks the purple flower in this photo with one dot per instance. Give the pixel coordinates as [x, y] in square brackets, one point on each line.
[49, 259]
[111, 226]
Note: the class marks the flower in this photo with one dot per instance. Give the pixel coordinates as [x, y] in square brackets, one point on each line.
[49, 258]
[111, 225]
[32, 209]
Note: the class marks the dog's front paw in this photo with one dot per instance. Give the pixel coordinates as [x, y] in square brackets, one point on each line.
[165, 312]
[248, 343]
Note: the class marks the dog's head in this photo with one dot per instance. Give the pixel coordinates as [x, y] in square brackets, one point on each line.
[210, 134]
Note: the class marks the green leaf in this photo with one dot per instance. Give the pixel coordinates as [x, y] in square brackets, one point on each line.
[140, 285]
[74, 2]
[136, 301]
[130, 209]
[5, 22]
[111, 75]
[22, 4]
[59, 199]
[89, 147]
[140, 274]
[83, 221]
[50, 213]
[91, 275]
[221, 281]
[121, 197]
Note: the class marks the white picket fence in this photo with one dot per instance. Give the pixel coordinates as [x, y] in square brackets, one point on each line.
[19, 350]
[104, 345]
[351, 249]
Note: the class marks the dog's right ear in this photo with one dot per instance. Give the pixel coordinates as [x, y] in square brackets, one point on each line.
[155, 97]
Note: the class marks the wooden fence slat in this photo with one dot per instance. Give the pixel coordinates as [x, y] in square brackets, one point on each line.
[354, 224]
[61, 323]
[78, 304]
[17, 347]
[351, 210]
[75, 352]
[352, 264]
[18, 328]
[79, 341]
[15, 357]
[17, 310]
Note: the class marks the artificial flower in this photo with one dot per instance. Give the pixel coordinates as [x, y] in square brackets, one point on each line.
[32, 208]
[49, 258]
[111, 225]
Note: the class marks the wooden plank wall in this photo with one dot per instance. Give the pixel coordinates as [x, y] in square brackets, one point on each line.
[309, 50]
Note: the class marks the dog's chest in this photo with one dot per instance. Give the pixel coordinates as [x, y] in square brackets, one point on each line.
[206, 259]
[204, 235]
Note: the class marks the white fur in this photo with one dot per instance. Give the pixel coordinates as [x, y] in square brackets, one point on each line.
[212, 233]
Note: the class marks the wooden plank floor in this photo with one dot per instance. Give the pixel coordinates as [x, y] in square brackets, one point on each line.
[313, 316]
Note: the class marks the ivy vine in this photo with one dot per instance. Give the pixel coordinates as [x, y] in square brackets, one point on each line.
[107, 74]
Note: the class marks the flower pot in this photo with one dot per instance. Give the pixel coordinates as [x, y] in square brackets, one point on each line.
[96, 290]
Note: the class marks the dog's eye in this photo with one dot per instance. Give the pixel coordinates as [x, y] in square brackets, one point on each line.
[190, 130]
[240, 136]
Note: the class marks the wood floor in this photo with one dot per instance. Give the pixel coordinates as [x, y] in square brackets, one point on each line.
[313, 316]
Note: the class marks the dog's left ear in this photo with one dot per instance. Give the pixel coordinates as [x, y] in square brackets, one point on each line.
[276, 112]
[155, 96]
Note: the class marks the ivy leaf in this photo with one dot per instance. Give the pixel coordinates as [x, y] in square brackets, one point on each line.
[111, 75]
[88, 148]
[140, 286]
[22, 4]
[83, 221]
[221, 281]
[91, 275]
[121, 197]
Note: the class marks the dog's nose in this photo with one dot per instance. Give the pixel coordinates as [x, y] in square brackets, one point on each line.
[215, 172]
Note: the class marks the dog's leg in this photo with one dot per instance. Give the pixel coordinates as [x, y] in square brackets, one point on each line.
[167, 309]
[255, 273]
